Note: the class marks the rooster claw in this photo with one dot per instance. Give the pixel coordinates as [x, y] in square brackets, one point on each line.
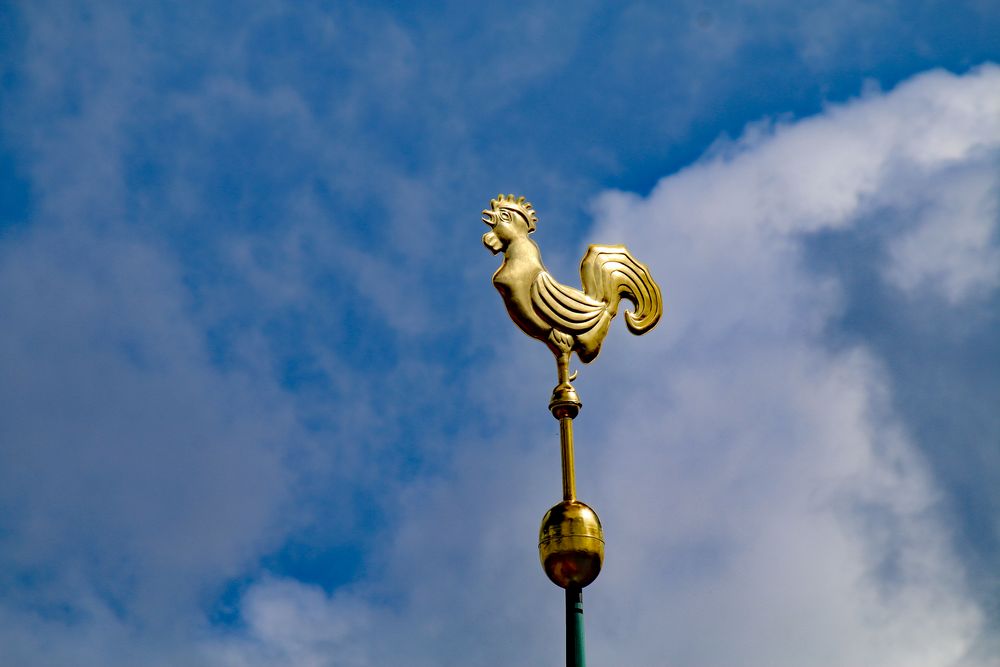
[573, 376]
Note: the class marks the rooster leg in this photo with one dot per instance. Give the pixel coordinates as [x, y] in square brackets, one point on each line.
[564, 344]
[565, 404]
[562, 365]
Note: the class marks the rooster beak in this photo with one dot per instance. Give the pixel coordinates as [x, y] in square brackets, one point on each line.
[488, 217]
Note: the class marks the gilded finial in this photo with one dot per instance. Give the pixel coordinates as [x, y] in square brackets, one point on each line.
[567, 320]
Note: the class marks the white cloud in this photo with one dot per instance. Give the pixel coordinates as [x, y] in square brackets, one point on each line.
[290, 623]
[782, 509]
[950, 249]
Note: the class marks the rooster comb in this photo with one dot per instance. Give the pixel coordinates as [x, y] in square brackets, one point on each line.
[519, 204]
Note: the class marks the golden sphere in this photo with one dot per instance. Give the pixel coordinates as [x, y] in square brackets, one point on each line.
[571, 544]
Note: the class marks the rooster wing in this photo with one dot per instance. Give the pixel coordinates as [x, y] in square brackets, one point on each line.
[566, 309]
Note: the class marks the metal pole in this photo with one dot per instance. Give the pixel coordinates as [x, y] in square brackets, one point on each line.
[566, 449]
[575, 654]
[572, 529]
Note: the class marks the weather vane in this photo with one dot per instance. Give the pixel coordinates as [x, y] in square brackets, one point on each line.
[567, 320]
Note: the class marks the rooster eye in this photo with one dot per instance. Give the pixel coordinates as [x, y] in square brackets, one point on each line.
[505, 216]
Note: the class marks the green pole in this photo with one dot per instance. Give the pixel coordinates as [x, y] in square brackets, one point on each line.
[575, 655]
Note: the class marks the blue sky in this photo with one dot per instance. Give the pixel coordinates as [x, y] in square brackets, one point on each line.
[259, 403]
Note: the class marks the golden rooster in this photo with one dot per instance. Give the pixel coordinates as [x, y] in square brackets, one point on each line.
[566, 319]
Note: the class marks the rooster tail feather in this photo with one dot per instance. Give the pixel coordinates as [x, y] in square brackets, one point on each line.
[610, 274]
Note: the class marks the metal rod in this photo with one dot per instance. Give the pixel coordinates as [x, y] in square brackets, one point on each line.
[575, 654]
[566, 447]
